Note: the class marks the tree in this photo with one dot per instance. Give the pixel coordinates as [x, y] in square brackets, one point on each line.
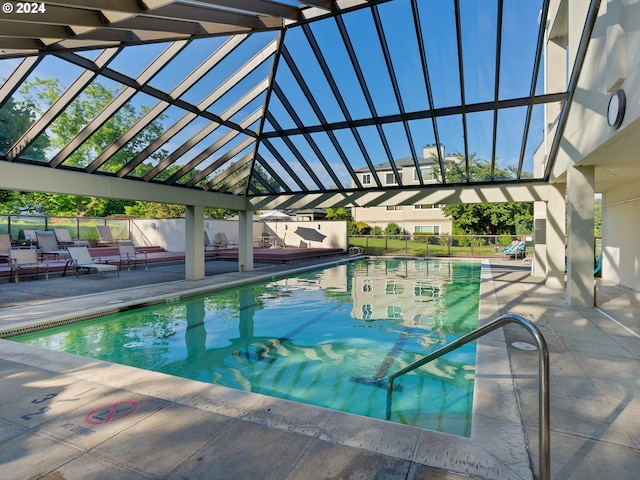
[486, 218]
[491, 218]
[340, 213]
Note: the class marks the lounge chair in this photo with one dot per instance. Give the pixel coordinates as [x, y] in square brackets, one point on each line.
[520, 251]
[81, 259]
[510, 248]
[64, 239]
[105, 237]
[30, 237]
[48, 245]
[26, 259]
[5, 245]
[207, 243]
[597, 269]
[222, 241]
[129, 256]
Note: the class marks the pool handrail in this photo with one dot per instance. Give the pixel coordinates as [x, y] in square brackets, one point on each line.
[543, 377]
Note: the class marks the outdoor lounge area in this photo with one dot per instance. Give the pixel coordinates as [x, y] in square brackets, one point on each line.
[198, 127]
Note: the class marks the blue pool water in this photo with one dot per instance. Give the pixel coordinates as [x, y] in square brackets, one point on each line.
[326, 337]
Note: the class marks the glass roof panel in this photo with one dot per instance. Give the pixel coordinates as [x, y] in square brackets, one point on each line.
[479, 28]
[373, 145]
[398, 142]
[480, 145]
[333, 70]
[366, 43]
[400, 34]
[226, 157]
[438, 25]
[89, 54]
[134, 59]
[227, 67]
[247, 83]
[244, 113]
[422, 135]
[333, 159]
[294, 95]
[509, 142]
[186, 61]
[306, 62]
[93, 99]
[269, 162]
[294, 163]
[304, 147]
[335, 54]
[43, 86]
[537, 150]
[519, 42]
[452, 141]
[354, 154]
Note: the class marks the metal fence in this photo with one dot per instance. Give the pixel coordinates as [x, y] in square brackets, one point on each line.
[444, 245]
[81, 228]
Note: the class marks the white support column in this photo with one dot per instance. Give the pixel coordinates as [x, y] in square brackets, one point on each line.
[245, 242]
[194, 242]
[539, 267]
[555, 236]
[580, 249]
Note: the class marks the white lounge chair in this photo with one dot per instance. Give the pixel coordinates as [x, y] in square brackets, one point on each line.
[5, 245]
[222, 241]
[48, 245]
[129, 256]
[64, 238]
[81, 258]
[26, 259]
[105, 235]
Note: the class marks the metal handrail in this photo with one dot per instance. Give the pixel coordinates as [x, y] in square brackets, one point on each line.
[543, 377]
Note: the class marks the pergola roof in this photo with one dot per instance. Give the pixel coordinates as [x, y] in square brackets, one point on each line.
[260, 98]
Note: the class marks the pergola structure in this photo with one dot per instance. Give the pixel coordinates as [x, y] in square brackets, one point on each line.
[261, 104]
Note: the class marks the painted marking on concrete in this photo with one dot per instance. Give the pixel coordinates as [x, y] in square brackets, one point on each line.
[79, 429]
[40, 411]
[620, 324]
[48, 396]
[111, 412]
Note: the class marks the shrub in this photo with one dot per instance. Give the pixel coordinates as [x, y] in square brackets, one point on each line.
[359, 228]
[377, 230]
[392, 229]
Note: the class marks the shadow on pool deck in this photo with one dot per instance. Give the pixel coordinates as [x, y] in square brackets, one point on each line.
[63, 416]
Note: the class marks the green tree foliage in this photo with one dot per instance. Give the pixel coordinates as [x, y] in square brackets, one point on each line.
[340, 213]
[392, 229]
[486, 218]
[491, 218]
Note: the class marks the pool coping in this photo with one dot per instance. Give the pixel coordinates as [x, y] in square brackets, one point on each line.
[497, 447]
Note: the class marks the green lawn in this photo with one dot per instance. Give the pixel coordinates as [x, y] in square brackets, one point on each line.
[411, 246]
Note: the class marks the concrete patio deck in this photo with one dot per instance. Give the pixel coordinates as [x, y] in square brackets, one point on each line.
[63, 416]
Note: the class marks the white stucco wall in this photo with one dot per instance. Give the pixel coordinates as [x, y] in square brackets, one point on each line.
[169, 234]
[620, 233]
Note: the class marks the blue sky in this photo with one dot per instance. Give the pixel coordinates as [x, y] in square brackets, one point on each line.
[479, 23]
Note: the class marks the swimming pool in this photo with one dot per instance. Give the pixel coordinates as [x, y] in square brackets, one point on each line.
[326, 337]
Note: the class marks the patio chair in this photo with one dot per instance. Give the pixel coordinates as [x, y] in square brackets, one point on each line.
[30, 237]
[223, 242]
[5, 245]
[105, 237]
[520, 251]
[207, 243]
[26, 259]
[48, 245]
[510, 248]
[81, 259]
[64, 239]
[129, 256]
